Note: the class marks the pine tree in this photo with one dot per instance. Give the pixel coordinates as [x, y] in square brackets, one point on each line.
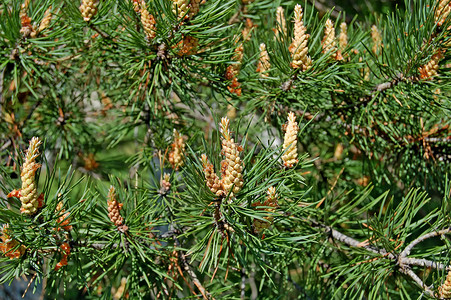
[225, 149]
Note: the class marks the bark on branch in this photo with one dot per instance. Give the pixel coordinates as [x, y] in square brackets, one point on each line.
[405, 263]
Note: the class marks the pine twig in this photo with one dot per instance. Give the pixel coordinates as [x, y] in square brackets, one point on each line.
[187, 269]
[421, 262]
[29, 284]
[100, 32]
[193, 275]
[298, 288]
[408, 271]
[243, 283]
[355, 243]
[6, 144]
[99, 246]
[418, 240]
[221, 223]
[335, 11]
[402, 260]
[364, 131]
[388, 85]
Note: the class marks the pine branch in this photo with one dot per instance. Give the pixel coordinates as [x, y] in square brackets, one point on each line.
[355, 243]
[243, 283]
[186, 267]
[298, 288]
[421, 262]
[422, 238]
[99, 246]
[100, 32]
[408, 271]
[335, 12]
[385, 86]
[402, 260]
[6, 144]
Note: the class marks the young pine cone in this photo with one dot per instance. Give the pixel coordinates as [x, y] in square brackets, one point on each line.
[445, 289]
[231, 111]
[25, 21]
[189, 46]
[263, 64]
[178, 148]
[180, 8]
[63, 220]
[148, 22]
[281, 26]
[246, 33]
[430, 69]
[8, 244]
[442, 11]
[299, 48]
[271, 201]
[136, 6]
[194, 7]
[45, 22]
[233, 71]
[290, 142]
[165, 183]
[238, 58]
[114, 208]
[29, 192]
[343, 37]
[377, 39]
[88, 9]
[232, 166]
[65, 250]
[211, 178]
[89, 161]
[328, 43]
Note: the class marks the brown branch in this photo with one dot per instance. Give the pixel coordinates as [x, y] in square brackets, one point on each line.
[402, 260]
[334, 11]
[221, 224]
[6, 144]
[243, 283]
[421, 262]
[418, 240]
[236, 18]
[99, 246]
[389, 84]
[29, 284]
[100, 32]
[355, 243]
[184, 264]
[408, 271]
[193, 275]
